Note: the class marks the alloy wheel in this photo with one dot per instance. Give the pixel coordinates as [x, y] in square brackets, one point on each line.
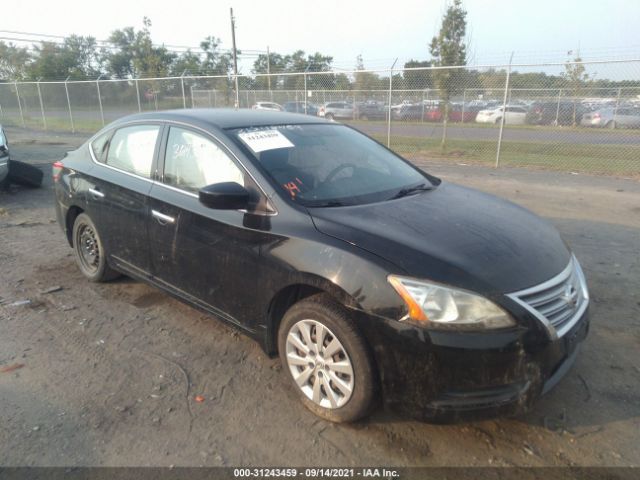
[319, 364]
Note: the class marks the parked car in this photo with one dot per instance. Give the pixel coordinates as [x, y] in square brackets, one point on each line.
[622, 117]
[337, 111]
[514, 115]
[459, 114]
[267, 106]
[413, 111]
[299, 107]
[4, 157]
[555, 113]
[371, 111]
[371, 279]
[14, 171]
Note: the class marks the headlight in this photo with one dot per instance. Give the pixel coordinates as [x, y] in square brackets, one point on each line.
[437, 306]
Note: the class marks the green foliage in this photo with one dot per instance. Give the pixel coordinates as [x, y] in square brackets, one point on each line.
[135, 55]
[13, 61]
[419, 79]
[448, 49]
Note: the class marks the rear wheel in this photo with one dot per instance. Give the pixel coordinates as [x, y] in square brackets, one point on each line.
[329, 116]
[611, 125]
[498, 120]
[89, 251]
[327, 360]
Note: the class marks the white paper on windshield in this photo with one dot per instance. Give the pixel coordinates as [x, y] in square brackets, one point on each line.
[262, 140]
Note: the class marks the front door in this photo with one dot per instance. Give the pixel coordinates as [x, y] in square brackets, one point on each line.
[208, 256]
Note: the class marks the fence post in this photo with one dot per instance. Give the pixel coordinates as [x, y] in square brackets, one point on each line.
[184, 98]
[100, 99]
[19, 104]
[191, 89]
[389, 108]
[66, 89]
[504, 111]
[464, 100]
[138, 95]
[558, 107]
[44, 120]
[615, 111]
[305, 89]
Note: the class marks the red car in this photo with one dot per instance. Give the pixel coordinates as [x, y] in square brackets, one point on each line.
[456, 114]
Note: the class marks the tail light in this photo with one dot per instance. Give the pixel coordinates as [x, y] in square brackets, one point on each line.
[57, 170]
[595, 115]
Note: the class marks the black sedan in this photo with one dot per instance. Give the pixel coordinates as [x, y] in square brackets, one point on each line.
[371, 279]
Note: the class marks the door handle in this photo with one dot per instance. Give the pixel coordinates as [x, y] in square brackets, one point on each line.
[96, 193]
[162, 218]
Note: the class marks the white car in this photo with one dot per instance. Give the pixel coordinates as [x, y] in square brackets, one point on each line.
[514, 115]
[268, 106]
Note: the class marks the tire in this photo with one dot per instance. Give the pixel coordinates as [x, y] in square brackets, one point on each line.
[329, 116]
[498, 120]
[89, 251]
[352, 398]
[24, 174]
[364, 117]
[611, 125]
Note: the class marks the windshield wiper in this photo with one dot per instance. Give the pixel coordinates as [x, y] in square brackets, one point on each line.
[330, 203]
[409, 190]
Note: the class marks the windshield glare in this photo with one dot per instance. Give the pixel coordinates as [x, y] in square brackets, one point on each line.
[328, 165]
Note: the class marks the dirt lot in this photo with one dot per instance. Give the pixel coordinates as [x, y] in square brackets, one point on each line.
[111, 370]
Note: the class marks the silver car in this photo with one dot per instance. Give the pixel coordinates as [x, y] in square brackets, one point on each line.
[336, 110]
[4, 156]
[622, 117]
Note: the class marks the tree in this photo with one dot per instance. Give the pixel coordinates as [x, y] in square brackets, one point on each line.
[576, 77]
[83, 57]
[418, 79]
[364, 81]
[49, 62]
[135, 55]
[447, 49]
[186, 61]
[13, 62]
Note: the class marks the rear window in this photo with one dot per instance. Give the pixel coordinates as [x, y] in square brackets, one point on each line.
[100, 145]
[131, 149]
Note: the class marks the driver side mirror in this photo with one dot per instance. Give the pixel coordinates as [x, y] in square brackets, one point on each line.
[224, 196]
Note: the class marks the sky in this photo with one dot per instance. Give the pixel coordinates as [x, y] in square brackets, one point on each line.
[535, 30]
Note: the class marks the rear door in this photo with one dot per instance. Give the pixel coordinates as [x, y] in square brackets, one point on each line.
[120, 194]
[208, 256]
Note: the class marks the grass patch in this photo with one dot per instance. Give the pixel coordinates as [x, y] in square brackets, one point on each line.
[610, 159]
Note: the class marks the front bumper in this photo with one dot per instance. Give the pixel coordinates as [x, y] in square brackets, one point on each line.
[445, 377]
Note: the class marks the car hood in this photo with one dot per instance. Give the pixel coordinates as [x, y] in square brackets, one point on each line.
[453, 235]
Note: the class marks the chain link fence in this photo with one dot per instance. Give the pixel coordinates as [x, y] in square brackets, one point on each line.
[582, 117]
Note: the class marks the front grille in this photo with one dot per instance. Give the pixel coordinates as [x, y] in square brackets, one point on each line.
[559, 302]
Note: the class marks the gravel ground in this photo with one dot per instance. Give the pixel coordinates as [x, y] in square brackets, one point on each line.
[107, 374]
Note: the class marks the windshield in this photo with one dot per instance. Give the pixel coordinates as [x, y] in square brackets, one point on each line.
[329, 165]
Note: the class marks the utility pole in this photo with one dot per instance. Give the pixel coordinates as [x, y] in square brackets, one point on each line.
[235, 57]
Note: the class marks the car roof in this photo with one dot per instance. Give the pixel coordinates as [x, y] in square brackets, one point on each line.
[224, 118]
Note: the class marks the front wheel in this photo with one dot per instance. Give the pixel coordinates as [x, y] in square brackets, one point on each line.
[327, 360]
[89, 251]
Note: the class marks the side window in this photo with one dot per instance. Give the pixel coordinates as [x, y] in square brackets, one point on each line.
[100, 145]
[193, 161]
[131, 149]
